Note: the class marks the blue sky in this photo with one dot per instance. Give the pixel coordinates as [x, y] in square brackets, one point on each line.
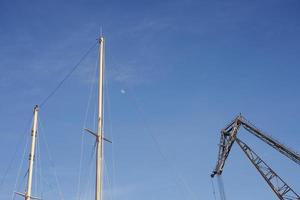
[186, 68]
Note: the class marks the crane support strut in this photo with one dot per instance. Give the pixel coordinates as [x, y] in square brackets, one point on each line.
[281, 188]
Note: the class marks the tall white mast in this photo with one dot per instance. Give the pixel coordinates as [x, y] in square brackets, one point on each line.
[27, 194]
[99, 145]
[99, 134]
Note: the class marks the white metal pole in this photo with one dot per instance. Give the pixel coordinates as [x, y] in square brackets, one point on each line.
[32, 151]
[99, 146]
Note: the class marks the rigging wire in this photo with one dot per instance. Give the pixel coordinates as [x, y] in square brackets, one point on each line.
[13, 158]
[164, 157]
[36, 159]
[107, 178]
[51, 94]
[39, 162]
[20, 167]
[111, 135]
[35, 172]
[93, 75]
[89, 175]
[68, 75]
[51, 162]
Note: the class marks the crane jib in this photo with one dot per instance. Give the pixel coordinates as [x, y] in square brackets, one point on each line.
[229, 135]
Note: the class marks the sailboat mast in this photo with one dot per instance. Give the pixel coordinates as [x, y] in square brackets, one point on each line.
[99, 145]
[32, 152]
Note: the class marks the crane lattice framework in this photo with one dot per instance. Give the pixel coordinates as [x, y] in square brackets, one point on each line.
[229, 135]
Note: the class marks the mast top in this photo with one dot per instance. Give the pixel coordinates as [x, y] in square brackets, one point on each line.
[101, 38]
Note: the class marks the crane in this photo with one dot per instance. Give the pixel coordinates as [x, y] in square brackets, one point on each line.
[229, 136]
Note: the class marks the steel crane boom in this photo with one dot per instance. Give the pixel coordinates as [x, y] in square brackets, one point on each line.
[229, 136]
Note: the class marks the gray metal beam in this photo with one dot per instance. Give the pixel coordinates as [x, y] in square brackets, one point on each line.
[282, 190]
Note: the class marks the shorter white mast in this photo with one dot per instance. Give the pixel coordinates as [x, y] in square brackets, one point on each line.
[27, 194]
[32, 152]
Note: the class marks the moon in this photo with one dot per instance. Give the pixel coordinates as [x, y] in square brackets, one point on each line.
[123, 91]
